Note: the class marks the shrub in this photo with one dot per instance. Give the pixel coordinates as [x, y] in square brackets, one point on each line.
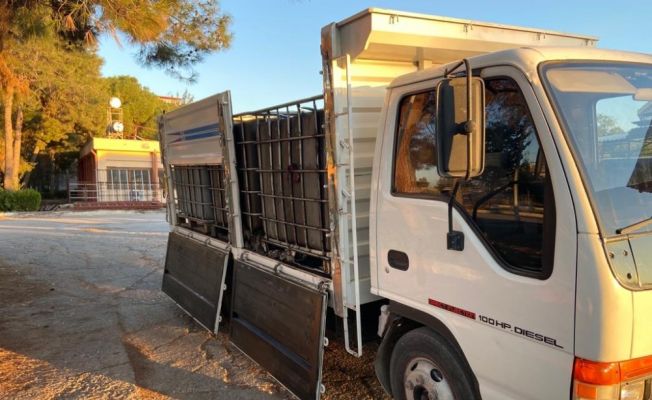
[6, 200]
[27, 200]
[21, 200]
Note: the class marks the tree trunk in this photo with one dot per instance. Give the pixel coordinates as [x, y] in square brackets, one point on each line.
[53, 173]
[32, 160]
[9, 138]
[18, 138]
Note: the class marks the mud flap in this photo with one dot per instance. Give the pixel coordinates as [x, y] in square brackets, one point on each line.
[194, 278]
[279, 324]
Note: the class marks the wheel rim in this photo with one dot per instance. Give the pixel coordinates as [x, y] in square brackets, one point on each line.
[425, 380]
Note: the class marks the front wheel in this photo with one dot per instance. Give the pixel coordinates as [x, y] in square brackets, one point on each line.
[425, 367]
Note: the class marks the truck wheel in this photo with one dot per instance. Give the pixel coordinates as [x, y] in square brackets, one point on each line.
[425, 367]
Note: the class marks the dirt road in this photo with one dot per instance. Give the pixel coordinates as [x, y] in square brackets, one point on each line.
[82, 316]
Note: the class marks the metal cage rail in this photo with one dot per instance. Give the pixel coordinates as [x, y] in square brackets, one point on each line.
[200, 198]
[281, 166]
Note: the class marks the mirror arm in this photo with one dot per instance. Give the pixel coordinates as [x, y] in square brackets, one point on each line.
[489, 196]
[448, 72]
[455, 239]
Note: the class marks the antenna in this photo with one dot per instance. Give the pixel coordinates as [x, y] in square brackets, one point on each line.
[114, 118]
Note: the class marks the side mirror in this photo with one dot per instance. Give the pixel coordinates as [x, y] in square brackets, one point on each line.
[460, 137]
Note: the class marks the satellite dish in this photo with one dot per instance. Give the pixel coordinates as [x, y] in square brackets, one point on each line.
[115, 102]
[117, 126]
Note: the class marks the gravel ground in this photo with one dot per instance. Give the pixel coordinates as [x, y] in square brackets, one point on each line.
[82, 316]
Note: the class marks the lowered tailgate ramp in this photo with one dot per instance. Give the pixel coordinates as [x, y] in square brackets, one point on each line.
[194, 278]
[279, 323]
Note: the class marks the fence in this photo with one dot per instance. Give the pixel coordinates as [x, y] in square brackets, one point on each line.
[114, 192]
[119, 184]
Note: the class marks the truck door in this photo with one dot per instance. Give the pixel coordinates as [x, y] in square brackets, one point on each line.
[199, 245]
[508, 297]
[279, 322]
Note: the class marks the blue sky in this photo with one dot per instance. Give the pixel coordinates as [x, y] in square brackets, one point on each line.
[275, 56]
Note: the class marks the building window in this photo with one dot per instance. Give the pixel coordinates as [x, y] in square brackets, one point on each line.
[128, 184]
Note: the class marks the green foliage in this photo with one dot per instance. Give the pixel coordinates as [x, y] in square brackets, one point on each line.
[20, 200]
[27, 200]
[172, 34]
[65, 103]
[6, 200]
[48, 59]
[608, 125]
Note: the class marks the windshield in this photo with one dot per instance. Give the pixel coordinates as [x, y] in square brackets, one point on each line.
[607, 109]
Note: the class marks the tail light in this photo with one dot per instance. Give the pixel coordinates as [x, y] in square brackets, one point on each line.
[625, 380]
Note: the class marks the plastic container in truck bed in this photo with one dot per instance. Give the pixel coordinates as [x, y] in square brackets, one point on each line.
[281, 165]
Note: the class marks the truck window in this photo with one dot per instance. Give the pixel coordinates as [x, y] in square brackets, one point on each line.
[415, 169]
[512, 203]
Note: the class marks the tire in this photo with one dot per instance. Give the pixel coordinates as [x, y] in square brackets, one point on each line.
[424, 366]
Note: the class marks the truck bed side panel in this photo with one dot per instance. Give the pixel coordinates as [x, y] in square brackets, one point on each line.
[368, 79]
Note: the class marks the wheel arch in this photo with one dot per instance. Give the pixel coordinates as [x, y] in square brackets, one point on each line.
[402, 320]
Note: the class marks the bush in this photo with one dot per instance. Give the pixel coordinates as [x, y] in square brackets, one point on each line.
[27, 200]
[6, 200]
[21, 200]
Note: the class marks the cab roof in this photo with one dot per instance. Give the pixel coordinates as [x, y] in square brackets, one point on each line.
[528, 59]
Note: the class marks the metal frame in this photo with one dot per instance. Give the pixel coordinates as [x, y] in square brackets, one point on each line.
[218, 317]
[289, 272]
[270, 146]
[167, 178]
[200, 197]
[220, 245]
[230, 178]
[346, 219]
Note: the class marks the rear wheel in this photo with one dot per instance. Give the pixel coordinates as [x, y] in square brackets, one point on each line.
[424, 366]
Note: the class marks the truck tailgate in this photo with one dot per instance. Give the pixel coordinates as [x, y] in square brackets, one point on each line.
[194, 278]
[280, 323]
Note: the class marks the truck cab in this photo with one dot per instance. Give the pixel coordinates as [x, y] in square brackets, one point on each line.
[547, 298]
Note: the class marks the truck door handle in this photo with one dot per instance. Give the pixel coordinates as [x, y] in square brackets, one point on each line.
[398, 259]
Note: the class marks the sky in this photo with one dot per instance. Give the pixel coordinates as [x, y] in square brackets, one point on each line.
[274, 56]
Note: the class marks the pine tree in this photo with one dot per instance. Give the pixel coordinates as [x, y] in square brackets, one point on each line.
[171, 34]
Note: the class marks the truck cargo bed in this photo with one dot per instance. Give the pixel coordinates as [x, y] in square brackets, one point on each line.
[200, 197]
[282, 174]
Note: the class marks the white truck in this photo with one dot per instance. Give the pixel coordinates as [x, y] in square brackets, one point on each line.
[482, 192]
